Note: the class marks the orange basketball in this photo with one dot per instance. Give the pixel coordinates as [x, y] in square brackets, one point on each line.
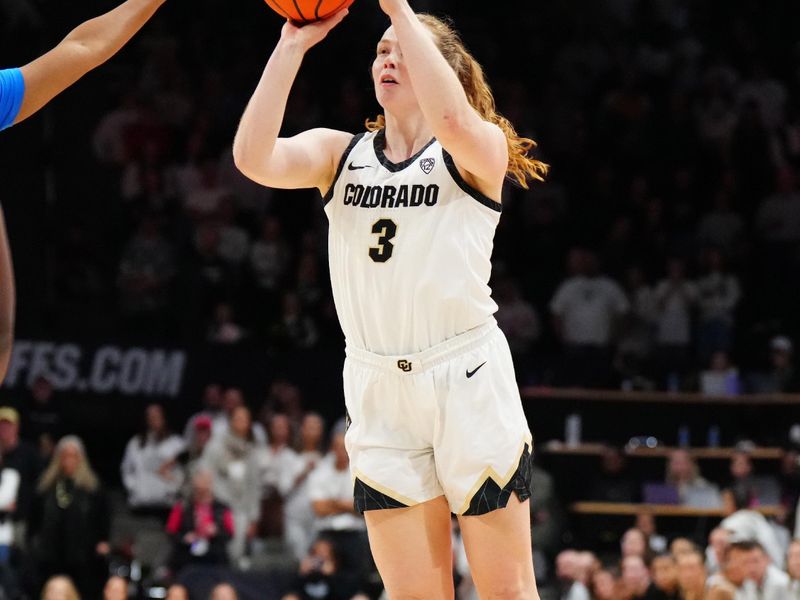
[306, 11]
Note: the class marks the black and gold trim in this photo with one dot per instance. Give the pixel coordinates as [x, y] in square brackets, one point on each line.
[379, 143]
[368, 498]
[467, 188]
[329, 194]
[490, 496]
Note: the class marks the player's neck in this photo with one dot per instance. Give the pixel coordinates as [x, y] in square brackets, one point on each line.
[405, 137]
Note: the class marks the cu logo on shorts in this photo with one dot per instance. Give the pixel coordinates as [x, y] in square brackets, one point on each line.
[404, 365]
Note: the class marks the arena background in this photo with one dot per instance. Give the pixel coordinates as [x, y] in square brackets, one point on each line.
[641, 108]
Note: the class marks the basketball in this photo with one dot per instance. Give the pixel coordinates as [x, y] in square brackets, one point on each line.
[307, 11]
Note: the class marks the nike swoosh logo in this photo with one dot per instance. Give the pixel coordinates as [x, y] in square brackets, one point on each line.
[352, 167]
[475, 370]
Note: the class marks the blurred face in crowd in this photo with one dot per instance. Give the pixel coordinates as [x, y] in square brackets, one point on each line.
[634, 543]
[59, 588]
[646, 523]
[604, 585]
[177, 592]
[280, 430]
[41, 391]
[691, 571]
[793, 560]
[202, 486]
[735, 566]
[232, 398]
[681, 546]
[741, 465]
[681, 466]
[9, 435]
[116, 589]
[339, 451]
[223, 591]
[241, 421]
[567, 565]
[154, 416]
[311, 431]
[635, 575]
[757, 564]
[69, 459]
[665, 574]
[613, 461]
[212, 397]
[718, 540]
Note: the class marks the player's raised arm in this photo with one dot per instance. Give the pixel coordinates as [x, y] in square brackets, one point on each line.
[7, 299]
[306, 160]
[85, 47]
[477, 146]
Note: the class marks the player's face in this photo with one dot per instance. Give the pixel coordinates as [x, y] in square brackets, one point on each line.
[390, 77]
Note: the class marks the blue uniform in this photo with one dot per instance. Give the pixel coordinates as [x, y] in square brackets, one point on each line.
[12, 90]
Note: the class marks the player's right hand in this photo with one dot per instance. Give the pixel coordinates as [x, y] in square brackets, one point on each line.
[311, 34]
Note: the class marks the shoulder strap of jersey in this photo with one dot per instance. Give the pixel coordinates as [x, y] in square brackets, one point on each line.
[356, 138]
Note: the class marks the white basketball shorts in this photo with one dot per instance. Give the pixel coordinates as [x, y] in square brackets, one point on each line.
[447, 421]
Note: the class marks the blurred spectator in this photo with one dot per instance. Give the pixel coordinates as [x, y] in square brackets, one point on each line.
[516, 317]
[223, 591]
[44, 420]
[793, 568]
[585, 308]
[298, 524]
[330, 488]
[782, 375]
[603, 586]
[71, 528]
[145, 272]
[747, 524]
[733, 569]
[22, 457]
[150, 471]
[718, 541]
[681, 545]
[192, 457]
[722, 227]
[295, 329]
[177, 592]
[212, 409]
[224, 329]
[234, 241]
[636, 580]
[691, 575]
[665, 577]
[60, 587]
[573, 574]
[634, 543]
[636, 343]
[547, 520]
[270, 256]
[205, 196]
[722, 378]
[765, 581]
[116, 588]
[761, 489]
[646, 523]
[233, 461]
[613, 481]
[674, 298]
[320, 576]
[693, 489]
[200, 526]
[9, 490]
[719, 294]
[233, 398]
[275, 459]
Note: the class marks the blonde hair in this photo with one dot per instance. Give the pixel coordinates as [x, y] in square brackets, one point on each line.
[521, 167]
[84, 478]
[71, 592]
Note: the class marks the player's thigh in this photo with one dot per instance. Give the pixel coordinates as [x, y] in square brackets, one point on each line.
[498, 546]
[413, 551]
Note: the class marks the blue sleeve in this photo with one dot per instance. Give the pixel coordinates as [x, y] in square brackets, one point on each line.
[12, 90]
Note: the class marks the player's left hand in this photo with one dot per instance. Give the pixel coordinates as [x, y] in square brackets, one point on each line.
[392, 7]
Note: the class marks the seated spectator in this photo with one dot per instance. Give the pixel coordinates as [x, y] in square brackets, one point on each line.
[665, 577]
[233, 398]
[573, 574]
[604, 586]
[224, 329]
[60, 587]
[177, 592]
[761, 490]
[331, 492]
[116, 588]
[718, 541]
[793, 568]
[634, 543]
[320, 576]
[636, 581]
[298, 524]
[22, 457]
[733, 569]
[275, 459]
[614, 482]
[223, 591]
[691, 575]
[200, 527]
[681, 545]
[765, 580]
[233, 461]
[719, 294]
[721, 378]
[212, 409]
[150, 471]
[747, 524]
[782, 375]
[71, 526]
[646, 523]
[693, 489]
[192, 456]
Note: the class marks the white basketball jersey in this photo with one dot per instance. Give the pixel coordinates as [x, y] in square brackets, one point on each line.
[410, 248]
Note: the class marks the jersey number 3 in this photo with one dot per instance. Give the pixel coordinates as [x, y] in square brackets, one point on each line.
[386, 229]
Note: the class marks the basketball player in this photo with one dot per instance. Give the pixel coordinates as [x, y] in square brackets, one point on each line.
[25, 90]
[437, 425]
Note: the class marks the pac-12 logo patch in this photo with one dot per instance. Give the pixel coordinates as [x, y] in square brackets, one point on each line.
[427, 164]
